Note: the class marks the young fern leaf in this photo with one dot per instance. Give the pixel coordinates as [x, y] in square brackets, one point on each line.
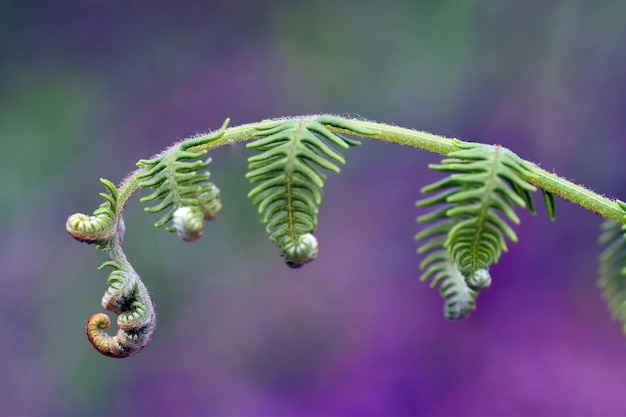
[473, 206]
[128, 297]
[289, 182]
[101, 225]
[180, 188]
[467, 231]
[613, 269]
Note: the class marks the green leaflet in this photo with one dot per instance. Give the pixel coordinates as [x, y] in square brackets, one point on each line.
[177, 183]
[99, 227]
[460, 299]
[288, 180]
[613, 269]
[472, 207]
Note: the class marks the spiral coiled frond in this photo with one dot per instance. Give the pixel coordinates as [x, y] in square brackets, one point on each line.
[613, 268]
[289, 182]
[473, 205]
[126, 294]
[177, 182]
[101, 225]
[127, 297]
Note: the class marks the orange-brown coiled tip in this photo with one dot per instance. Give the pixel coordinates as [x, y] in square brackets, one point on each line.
[101, 341]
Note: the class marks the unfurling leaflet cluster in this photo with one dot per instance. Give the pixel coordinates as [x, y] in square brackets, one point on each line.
[126, 295]
[99, 227]
[186, 196]
[472, 206]
[288, 182]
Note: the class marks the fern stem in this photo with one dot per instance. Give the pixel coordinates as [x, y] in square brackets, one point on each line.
[577, 194]
[551, 182]
[404, 136]
[293, 150]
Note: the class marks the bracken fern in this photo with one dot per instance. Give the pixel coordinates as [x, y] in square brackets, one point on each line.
[471, 219]
[473, 205]
[177, 181]
[288, 180]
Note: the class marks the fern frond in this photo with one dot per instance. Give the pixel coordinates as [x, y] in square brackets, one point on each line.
[613, 268]
[177, 182]
[474, 204]
[128, 298]
[99, 227]
[288, 180]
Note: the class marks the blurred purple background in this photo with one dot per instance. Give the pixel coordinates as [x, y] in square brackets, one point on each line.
[88, 88]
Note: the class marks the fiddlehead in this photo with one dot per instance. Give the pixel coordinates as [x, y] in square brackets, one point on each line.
[101, 225]
[472, 205]
[126, 294]
[289, 182]
[127, 297]
[613, 268]
[186, 196]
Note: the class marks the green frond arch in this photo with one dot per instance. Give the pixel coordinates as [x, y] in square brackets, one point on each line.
[473, 210]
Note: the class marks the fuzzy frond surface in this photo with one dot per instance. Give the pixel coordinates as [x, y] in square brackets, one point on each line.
[179, 180]
[127, 297]
[99, 227]
[288, 179]
[478, 197]
[472, 209]
[468, 222]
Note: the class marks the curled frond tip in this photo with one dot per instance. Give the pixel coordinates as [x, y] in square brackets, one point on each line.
[101, 225]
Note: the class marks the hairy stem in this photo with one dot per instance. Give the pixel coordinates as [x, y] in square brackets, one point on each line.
[418, 139]
[305, 138]
[578, 194]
